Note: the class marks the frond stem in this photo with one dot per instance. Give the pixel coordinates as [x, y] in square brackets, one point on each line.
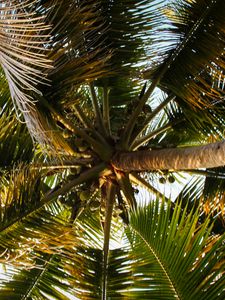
[161, 106]
[97, 147]
[137, 179]
[132, 121]
[160, 263]
[130, 125]
[152, 134]
[207, 173]
[106, 118]
[38, 276]
[51, 195]
[110, 198]
[82, 117]
[87, 124]
[126, 187]
[65, 164]
[97, 110]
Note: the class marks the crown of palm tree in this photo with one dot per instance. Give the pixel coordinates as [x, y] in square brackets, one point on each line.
[98, 99]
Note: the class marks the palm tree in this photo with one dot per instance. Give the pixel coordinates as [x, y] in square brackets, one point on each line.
[97, 99]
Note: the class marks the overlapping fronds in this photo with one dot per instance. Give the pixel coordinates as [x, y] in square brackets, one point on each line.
[21, 193]
[15, 142]
[73, 72]
[171, 249]
[88, 42]
[193, 62]
[168, 247]
[129, 44]
[23, 55]
[206, 188]
[23, 36]
[59, 262]
[5, 99]
[75, 46]
[28, 213]
[23, 58]
[187, 129]
[40, 282]
[58, 257]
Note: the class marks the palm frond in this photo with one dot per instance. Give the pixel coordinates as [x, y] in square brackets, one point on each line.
[186, 58]
[195, 53]
[15, 142]
[206, 189]
[5, 99]
[25, 210]
[213, 193]
[23, 55]
[47, 280]
[75, 46]
[56, 269]
[129, 45]
[171, 249]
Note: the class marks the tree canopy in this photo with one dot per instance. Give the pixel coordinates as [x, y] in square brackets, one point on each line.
[99, 100]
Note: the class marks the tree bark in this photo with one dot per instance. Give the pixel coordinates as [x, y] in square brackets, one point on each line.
[185, 158]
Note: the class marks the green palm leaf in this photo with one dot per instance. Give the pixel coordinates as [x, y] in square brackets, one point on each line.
[23, 54]
[15, 142]
[28, 210]
[129, 45]
[197, 53]
[38, 283]
[75, 46]
[205, 188]
[173, 248]
[56, 269]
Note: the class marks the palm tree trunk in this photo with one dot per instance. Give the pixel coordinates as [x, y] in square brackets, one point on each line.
[207, 156]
